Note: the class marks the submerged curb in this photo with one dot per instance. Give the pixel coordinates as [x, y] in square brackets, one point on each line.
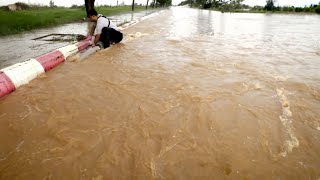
[22, 73]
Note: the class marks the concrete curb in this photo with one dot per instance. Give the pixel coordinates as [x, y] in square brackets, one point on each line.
[22, 73]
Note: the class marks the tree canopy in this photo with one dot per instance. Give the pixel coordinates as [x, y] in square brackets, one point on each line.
[270, 5]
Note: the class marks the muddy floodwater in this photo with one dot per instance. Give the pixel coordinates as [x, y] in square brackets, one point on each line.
[191, 94]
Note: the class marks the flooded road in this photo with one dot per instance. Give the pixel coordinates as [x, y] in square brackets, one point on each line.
[192, 94]
[21, 47]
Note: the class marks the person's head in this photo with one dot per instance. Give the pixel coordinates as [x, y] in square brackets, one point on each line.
[93, 15]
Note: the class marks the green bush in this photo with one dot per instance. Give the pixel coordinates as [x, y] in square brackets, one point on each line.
[298, 9]
[23, 6]
[306, 9]
[4, 8]
[318, 9]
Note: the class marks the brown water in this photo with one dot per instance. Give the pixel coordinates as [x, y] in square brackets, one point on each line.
[191, 95]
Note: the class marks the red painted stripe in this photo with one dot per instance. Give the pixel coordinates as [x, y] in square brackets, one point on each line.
[82, 45]
[50, 60]
[6, 85]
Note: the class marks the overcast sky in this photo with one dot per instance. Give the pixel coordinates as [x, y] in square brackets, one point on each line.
[114, 2]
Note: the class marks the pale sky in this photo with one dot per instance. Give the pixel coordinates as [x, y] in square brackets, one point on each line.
[114, 2]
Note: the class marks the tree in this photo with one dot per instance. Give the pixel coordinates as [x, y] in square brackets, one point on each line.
[183, 3]
[230, 5]
[222, 5]
[89, 5]
[51, 3]
[147, 4]
[317, 9]
[270, 5]
[163, 3]
[237, 4]
[154, 4]
[200, 3]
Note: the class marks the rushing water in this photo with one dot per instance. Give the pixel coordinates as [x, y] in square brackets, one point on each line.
[191, 94]
[21, 47]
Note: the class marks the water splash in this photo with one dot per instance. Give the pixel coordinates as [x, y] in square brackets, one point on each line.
[286, 119]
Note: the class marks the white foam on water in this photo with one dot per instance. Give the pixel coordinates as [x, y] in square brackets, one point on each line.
[19, 146]
[281, 77]
[257, 86]
[131, 37]
[246, 86]
[224, 71]
[173, 39]
[286, 119]
[252, 86]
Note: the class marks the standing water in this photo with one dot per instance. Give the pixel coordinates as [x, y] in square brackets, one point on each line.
[21, 47]
[192, 94]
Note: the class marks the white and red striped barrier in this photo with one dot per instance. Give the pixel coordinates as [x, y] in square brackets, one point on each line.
[22, 73]
[6, 85]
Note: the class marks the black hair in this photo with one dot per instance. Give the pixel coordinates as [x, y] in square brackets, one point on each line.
[92, 12]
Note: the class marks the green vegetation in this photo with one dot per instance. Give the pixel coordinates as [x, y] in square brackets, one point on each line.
[270, 7]
[34, 17]
[237, 6]
[159, 3]
[220, 5]
[163, 3]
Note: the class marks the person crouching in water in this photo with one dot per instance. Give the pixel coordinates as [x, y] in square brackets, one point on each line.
[104, 30]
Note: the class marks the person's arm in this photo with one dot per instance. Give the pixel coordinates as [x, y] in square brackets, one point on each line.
[96, 39]
[91, 32]
[92, 29]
